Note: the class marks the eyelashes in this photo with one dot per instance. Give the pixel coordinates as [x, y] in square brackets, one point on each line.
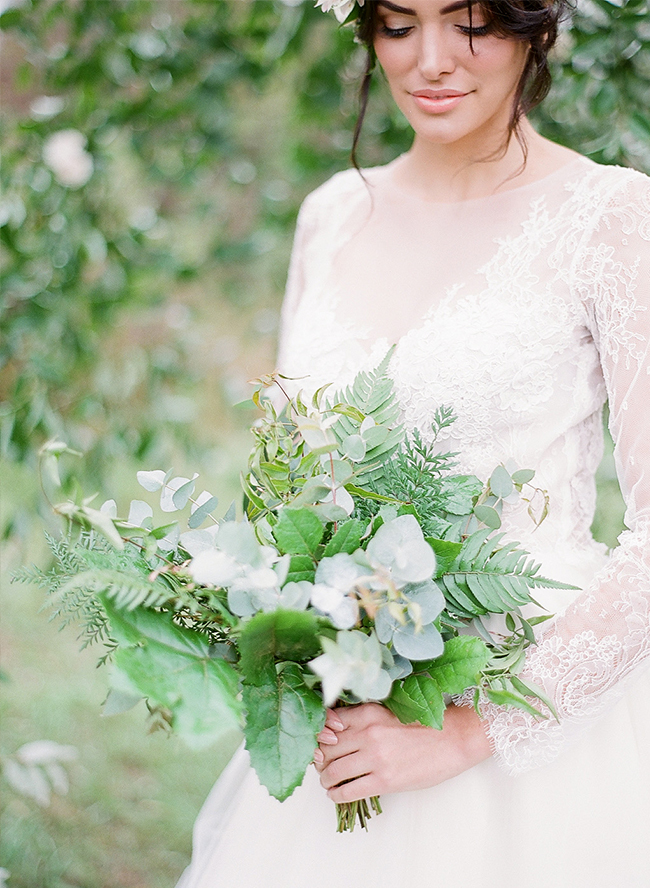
[475, 31]
[385, 31]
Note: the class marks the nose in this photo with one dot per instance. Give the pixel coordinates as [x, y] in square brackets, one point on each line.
[435, 56]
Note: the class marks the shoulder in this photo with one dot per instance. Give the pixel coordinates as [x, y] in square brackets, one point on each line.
[610, 204]
[333, 206]
[334, 194]
[344, 184]
[612, 186]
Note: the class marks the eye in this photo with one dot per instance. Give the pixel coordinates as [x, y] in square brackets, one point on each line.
[475, 31]
[385, 31]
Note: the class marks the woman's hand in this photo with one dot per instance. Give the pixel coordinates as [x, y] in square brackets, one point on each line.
[370, 747]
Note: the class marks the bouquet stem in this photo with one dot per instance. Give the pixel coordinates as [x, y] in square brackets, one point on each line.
[348, 813]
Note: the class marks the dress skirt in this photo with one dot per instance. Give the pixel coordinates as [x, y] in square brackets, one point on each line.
[582, 821]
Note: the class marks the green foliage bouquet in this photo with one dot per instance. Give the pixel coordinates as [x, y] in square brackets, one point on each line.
[363, 570]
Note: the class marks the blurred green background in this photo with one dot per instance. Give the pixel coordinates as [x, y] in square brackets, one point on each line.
[155, 153]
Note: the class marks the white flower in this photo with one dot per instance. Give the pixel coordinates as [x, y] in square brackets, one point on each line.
[341, 8]
[212, 567]
[400, 547]
[259, 589]
[353, 662]
[336, 578]
[65, 154]
[342, 610]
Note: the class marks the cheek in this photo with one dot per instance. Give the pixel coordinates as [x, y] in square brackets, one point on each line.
[395, 58]
[500, 62]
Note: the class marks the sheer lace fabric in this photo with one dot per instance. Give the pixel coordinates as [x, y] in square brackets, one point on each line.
[525, 311]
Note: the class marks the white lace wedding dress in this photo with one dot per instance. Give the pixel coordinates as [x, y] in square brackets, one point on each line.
[525, 311]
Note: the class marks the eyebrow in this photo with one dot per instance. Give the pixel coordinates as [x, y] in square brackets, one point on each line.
[452, 7]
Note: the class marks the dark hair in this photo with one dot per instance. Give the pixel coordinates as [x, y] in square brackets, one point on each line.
[533, 21]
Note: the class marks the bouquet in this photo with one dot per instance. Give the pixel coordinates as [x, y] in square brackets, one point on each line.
[364, 569]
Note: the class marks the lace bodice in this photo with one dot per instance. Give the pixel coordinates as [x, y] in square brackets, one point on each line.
[525, 311]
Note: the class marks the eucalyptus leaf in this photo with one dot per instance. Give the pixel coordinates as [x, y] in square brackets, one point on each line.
[181, 495]
[523, 476]
[354, 447]
[501, 483]
[488, 516]
[199, 514]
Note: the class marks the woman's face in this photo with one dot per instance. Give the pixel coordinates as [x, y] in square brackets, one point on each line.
[448, 93]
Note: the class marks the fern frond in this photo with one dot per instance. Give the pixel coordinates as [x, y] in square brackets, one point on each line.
[490, 578]
[127, 591]
[373, 395]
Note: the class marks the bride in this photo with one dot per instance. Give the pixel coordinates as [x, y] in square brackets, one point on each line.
[513, 275]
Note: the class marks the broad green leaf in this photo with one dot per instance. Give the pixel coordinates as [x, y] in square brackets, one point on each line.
[460, 493]
[278, 635]
[173, 668]
[298, 532]
[446, 554]
[417, 698]
[301, 568]
[460, 665]
[284, 716]
[346, 539]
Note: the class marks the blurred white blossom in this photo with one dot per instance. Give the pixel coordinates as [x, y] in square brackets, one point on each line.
[399, 547]
[64, 152]
[353, 662]
[340, 8]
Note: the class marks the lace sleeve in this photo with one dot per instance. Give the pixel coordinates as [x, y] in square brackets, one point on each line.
[588, 655]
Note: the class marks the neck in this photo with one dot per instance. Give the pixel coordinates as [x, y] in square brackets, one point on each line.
[454, 172]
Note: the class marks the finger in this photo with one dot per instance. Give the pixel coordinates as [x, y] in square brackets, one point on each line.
[349, 767]
[333, 720]
[319, 758]
[328, 737]
[347, 744]
[362, 788]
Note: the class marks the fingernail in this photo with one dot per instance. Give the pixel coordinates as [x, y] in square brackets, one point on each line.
[336, 723]
[319, 757]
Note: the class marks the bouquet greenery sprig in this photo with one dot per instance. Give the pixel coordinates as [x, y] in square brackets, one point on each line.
[363, 570]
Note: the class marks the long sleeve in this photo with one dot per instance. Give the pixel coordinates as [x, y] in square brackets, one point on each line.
[587, 658]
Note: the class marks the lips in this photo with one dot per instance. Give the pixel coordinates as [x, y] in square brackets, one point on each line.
[438, 93]
[437, 101]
